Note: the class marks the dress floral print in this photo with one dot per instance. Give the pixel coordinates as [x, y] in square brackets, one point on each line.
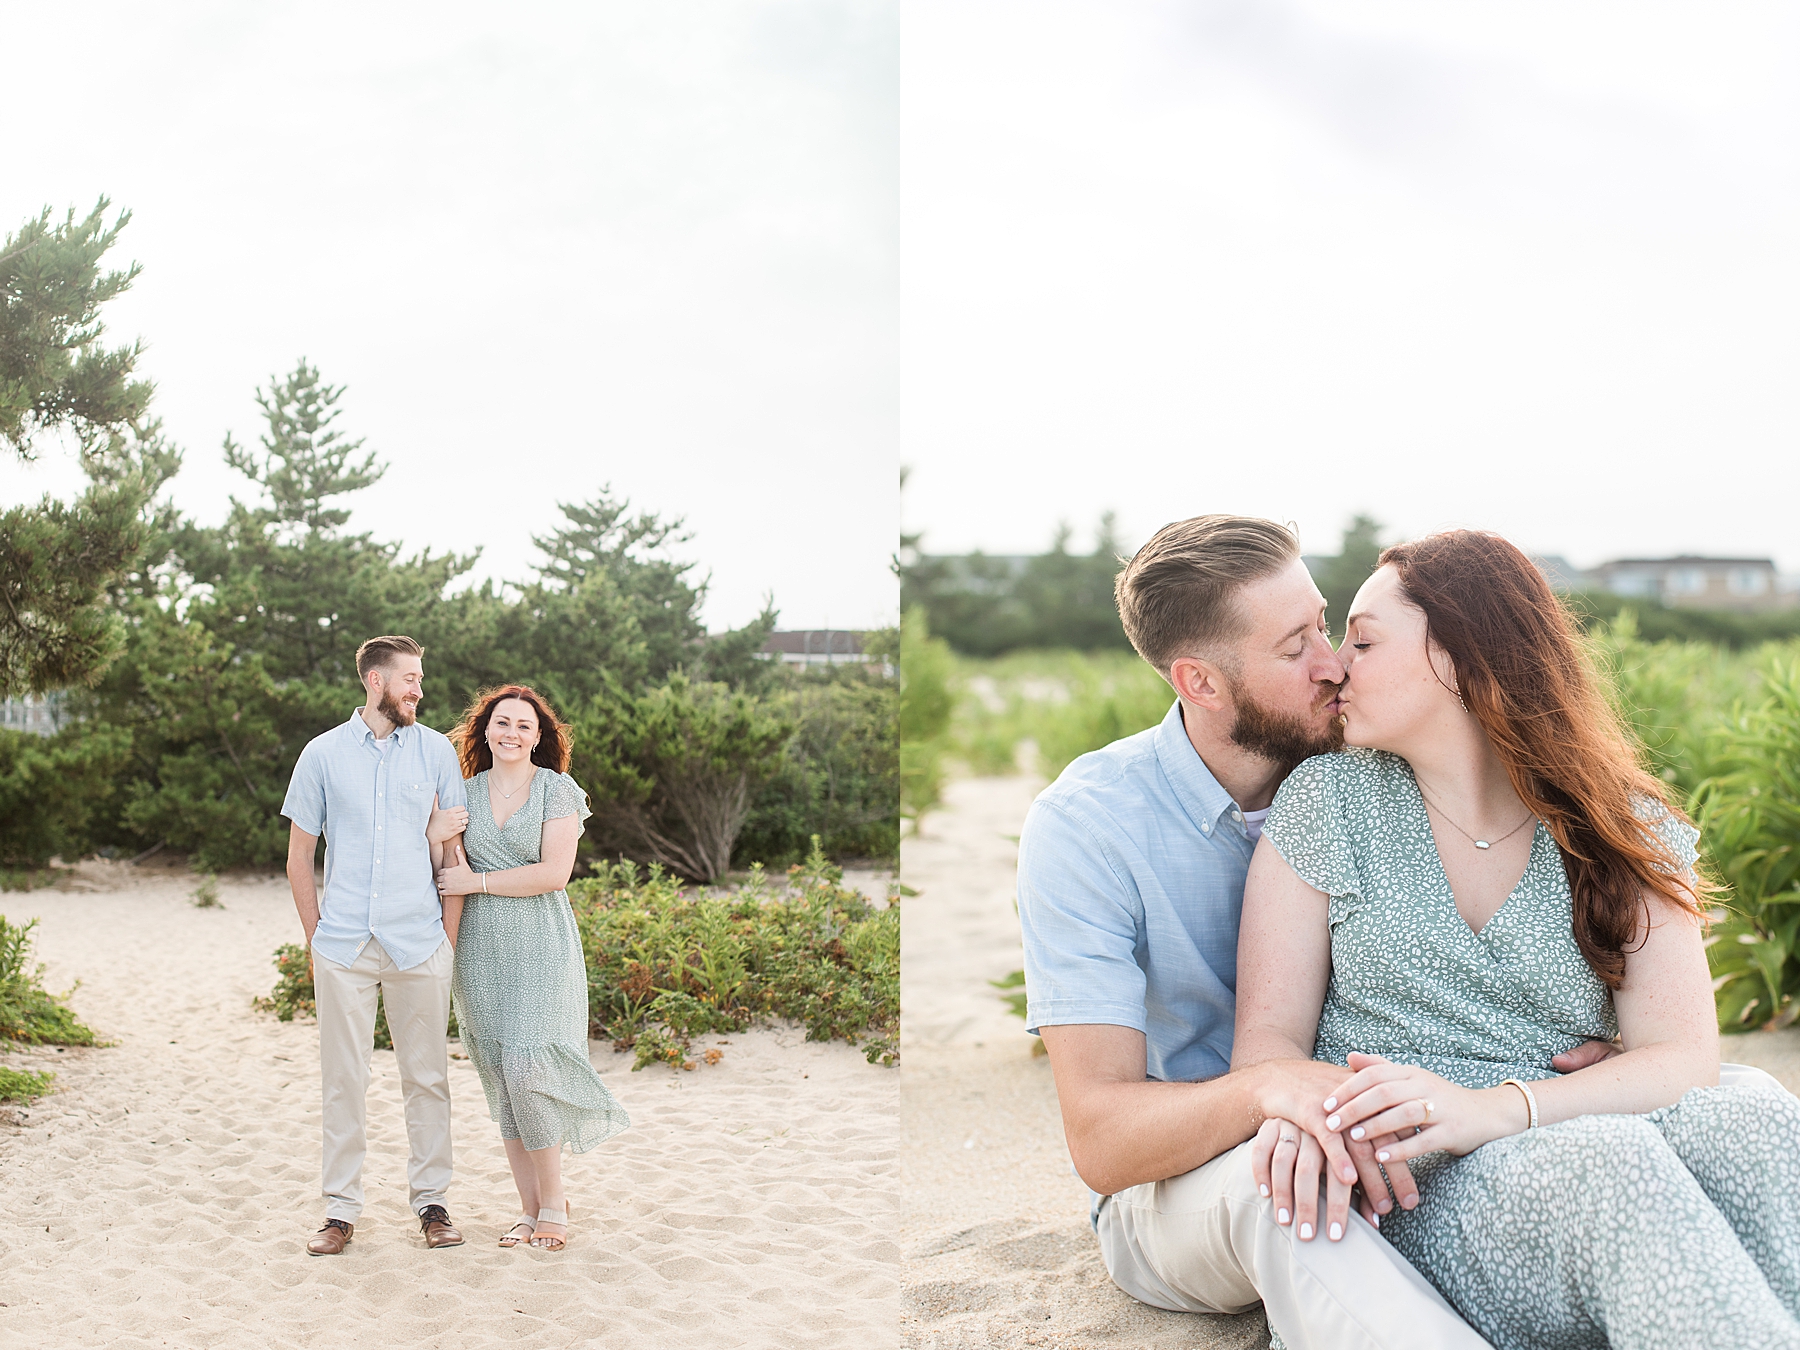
[521, 986]
[1676, 1229]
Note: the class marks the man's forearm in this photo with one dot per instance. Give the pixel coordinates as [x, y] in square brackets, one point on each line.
[1124, 1134]
[306, 897]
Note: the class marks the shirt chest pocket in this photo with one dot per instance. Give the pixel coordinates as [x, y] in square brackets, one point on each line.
[411, 805]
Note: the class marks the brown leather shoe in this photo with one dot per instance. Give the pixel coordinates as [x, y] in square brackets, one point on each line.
[435, 1223]
[331, 1239]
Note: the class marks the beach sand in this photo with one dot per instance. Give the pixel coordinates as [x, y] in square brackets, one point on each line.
[994, 1230]
[997, 1248]
[163, 1194]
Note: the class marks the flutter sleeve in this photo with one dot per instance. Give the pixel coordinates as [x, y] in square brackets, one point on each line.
[565, 798]
[1680, 841]
[1307, 826]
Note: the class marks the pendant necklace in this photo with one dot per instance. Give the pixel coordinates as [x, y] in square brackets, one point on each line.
[1483, 844]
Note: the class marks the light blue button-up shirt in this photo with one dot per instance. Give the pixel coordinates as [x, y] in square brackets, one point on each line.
[372, 807]
[1131, 881]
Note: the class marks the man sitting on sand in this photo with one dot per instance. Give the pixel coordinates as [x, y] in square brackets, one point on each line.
[1131, 878]
[368, 786]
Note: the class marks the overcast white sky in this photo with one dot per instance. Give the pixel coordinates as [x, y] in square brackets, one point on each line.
[547, 247]
[1522, 266]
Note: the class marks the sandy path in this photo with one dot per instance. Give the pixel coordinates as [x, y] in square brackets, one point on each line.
[162, 1197]
[998, 1251]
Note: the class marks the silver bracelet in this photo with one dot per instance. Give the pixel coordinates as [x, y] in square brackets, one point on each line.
[484, 891]
[1530, 1100]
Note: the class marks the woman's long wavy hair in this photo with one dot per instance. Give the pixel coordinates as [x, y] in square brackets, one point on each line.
[470, 735]
[1520, 670]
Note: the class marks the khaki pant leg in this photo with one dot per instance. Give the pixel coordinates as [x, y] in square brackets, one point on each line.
[345, 998]
[418, 1011]
[1207, 1242]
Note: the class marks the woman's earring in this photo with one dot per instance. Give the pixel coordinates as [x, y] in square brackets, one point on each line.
[1459, 699]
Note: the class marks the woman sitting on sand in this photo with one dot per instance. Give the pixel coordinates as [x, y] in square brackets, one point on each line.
[520, 984]
[1486, 880]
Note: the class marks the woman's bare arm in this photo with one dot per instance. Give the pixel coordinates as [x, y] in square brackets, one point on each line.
[1283, 964]
[550, 874]
[1668, 1025]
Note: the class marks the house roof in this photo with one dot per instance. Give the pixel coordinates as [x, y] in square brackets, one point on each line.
[1688, 560]
[815, 642]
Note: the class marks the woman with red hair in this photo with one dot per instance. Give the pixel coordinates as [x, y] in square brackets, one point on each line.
[520, 983]
[1487, 878]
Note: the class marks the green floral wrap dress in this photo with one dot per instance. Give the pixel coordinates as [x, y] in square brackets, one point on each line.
[1675, 1229]
[520, 983]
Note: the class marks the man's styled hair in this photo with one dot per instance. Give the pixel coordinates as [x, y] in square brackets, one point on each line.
[378, 653]
[1178, 595]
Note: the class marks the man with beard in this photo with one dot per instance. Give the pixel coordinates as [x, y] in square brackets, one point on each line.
[1131, 879]
[369, 786]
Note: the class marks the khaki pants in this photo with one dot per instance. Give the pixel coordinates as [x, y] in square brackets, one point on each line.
[1207, 1242]
[418, 1011]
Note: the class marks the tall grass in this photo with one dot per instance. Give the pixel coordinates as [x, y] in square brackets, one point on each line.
[1042, 710]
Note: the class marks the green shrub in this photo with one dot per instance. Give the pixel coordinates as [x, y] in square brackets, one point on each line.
[671, 771]
[24, 1085]
[673, 963]
[1750, 813]
[839, 774]
[52, 788]
[28, 1012]
[926, 705]
[206, 893]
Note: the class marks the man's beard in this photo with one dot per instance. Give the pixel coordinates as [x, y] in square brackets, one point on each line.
[400, 714]
[1281, 738]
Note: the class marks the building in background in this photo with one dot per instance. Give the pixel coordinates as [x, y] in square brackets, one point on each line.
[41, 714]
[817, 647]
[1747, 585]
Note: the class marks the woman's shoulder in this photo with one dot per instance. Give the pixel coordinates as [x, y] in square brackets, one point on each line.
[1679, 837]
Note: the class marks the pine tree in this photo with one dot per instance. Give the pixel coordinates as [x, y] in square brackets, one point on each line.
[60, 561]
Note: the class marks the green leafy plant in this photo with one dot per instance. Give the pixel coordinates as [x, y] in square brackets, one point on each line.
[29, 1012]
[671, 771]
[1750, 813]
[672, 962]
[206, 893]
[926, 704]
[23, 1085]
[1014, 1001]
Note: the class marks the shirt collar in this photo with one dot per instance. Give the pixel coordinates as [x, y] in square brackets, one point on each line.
[364, 732]
[1195, 787]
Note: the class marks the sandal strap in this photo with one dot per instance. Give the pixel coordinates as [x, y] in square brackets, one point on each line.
[548, 1215]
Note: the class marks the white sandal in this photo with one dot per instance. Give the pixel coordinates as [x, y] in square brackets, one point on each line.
[512, 1237]
[552, 1242]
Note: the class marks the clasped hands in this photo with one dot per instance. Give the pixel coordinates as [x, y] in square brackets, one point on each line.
[1380, 1117]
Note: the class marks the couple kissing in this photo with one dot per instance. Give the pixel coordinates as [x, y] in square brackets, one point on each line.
[1373, 979]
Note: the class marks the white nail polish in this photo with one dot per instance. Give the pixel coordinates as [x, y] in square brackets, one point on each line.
[1331, 1122]
[1382, 1156]
[1376, 1221]
[1281, 1216]
[1264, 1190]
[1331, 1103]
[1337, 1231]
[1358, 1132]
[1306, 1232]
